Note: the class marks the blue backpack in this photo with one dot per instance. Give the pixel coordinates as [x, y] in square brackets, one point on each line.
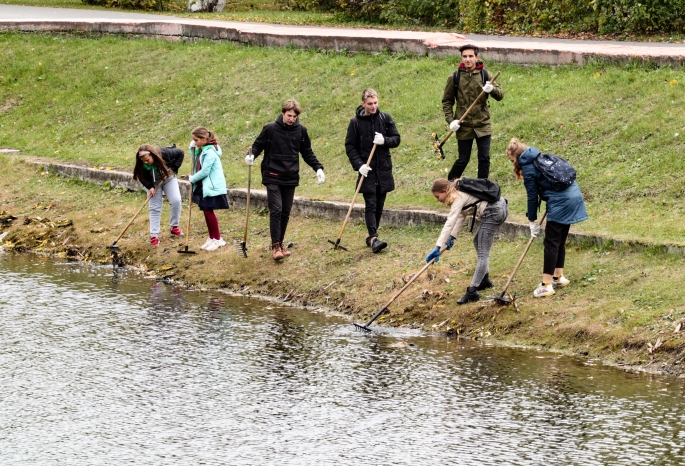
[557, 171]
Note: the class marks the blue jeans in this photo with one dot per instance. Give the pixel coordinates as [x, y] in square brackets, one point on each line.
[173, 195]
[493, 216]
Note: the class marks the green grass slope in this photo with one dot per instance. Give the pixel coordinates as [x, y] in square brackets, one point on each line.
[94, 100]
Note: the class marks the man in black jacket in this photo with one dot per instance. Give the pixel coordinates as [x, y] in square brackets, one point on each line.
[282, 141]
[372, 127]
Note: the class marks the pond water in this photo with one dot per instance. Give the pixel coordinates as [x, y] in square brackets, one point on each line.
[104, 369]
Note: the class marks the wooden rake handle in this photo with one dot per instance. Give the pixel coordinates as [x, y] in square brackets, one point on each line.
[136, 214]
[525, 251]
[247, 204]
[190, 205]
[482, 93]
[132, 219]
[417, 275]
[396, 295]
[359, 186]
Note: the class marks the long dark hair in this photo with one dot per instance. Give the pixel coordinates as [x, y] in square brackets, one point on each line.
[139, 170]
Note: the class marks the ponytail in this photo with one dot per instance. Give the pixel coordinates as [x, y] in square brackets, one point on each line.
[514, 151]
[441, 185]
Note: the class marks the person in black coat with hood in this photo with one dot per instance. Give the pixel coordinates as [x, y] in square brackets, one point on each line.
[282, 142]
[372, 127]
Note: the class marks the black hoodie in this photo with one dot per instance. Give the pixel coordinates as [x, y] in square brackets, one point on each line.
[282, 145]
[359, 141]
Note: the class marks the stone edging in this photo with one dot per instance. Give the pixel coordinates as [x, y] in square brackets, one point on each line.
[338, 210]
[358, 40]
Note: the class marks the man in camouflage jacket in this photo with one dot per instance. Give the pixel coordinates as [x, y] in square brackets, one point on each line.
[473, 79]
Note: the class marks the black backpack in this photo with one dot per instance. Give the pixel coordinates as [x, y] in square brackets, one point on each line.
[172, 156]
[457, 74]
[558, 172]
[482, 188]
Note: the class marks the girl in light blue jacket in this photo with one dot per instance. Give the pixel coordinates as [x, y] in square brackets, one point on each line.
[208, 182]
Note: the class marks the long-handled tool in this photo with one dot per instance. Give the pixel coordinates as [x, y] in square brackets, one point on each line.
[243, 245]
[113, 247]
[365, 327]
[437, 145]
[190, 204]
[501, 299]
[336, 244]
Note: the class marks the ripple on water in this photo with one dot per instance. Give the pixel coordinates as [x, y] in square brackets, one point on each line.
[96, 370]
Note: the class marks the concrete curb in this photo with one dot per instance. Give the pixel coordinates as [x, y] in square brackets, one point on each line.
[363, 40]
[338, 210]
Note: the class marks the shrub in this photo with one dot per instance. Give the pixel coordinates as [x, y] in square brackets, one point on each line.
[597, 16]
[159, 5]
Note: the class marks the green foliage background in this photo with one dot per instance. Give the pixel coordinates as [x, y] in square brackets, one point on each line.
[596, 16]
[159, 5]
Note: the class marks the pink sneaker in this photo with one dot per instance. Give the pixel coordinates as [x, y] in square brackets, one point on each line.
[154, 242]
[175, 231]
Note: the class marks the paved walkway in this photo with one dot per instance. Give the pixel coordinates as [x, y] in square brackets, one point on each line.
[499, 48]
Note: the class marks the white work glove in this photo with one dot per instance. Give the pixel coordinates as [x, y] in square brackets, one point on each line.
[364, 170]
[320, 177]
[249, 159]
[488, 87]
[534, 229]
[191, 146]
[378, 139]
[454, 126]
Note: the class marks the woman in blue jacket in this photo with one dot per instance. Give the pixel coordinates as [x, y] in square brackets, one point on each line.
[564, 208]
[208, 182]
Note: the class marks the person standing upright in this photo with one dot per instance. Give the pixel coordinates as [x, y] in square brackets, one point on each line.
[371, 127]
[463, 87]
[282, 142]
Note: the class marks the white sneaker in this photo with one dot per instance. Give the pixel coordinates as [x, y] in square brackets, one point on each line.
[214, 245]
[221, 241]
[543, 290]
[560, 282]
[207, 243]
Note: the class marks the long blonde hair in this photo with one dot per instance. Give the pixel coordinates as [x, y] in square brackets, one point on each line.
[514, 151]
[441, 185]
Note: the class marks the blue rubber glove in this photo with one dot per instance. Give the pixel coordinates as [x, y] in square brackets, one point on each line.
[434, 254]
[449, 243]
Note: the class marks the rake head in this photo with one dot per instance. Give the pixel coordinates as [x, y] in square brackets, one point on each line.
[114, 248]
[362, 328]
[242, 249]
[437, 145]
[185, 250]
[336, 245]
[501, 299]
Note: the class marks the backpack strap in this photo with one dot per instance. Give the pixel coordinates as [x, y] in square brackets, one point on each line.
[484, 78]
[455, 80]
[475, 211]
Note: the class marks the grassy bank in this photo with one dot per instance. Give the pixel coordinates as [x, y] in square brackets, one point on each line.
[619, 302]
[94, 100]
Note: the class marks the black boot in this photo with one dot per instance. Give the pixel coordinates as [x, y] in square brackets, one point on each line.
[485, 283]
[378, 245]
[470, 296]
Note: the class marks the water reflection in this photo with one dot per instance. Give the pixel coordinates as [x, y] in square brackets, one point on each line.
[127, 370]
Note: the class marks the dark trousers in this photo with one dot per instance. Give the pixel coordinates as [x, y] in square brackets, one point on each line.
[555, 246]
[280, 200]
[373, 210]
[483, 146]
